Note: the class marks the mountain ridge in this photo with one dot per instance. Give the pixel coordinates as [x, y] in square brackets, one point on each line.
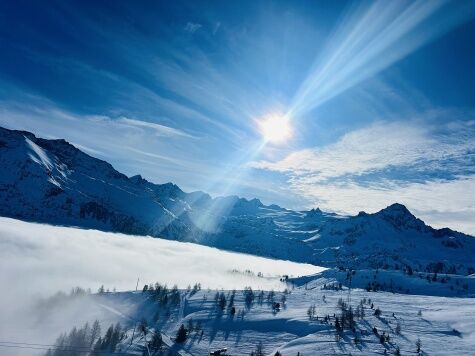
[54, 182]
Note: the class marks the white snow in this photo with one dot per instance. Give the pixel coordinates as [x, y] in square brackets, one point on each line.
[313, 238]
[40, 259]
[39, 155]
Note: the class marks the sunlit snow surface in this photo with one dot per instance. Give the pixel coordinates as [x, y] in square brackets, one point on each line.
[39, 260]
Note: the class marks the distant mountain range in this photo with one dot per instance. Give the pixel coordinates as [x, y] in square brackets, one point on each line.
[51, 181]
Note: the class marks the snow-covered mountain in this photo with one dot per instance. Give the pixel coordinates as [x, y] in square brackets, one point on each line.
[54, 182]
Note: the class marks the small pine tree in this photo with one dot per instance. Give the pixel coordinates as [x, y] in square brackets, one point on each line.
[222, 301]
[338, 326]
[97, 347]
[377, 312]
[398, 329]
[181, 335]
[95, 332]
[418, 345]
[259, 350]
[311, 312]
[156, 343]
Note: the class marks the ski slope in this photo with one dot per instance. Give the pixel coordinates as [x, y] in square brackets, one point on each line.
[50, 258]
[445, 326]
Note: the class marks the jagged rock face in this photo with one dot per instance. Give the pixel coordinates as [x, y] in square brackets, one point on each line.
[54, 182]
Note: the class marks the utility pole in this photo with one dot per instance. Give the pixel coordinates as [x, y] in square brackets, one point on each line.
[137, 286]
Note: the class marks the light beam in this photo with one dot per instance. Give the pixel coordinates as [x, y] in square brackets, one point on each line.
[372, 38]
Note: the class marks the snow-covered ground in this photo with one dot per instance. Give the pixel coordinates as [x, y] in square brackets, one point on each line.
[445, 326]
[38, 260]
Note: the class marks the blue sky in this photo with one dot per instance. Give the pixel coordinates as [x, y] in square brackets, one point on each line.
[379, 96]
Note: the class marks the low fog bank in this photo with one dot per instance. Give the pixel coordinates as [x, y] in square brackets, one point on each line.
[50, 258]
[36, 261]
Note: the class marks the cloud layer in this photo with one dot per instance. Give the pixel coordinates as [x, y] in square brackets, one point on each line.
[428, 167]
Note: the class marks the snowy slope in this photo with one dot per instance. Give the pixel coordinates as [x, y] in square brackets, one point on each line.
[52, 258]
[52, 181]
[392, 239]
[37, 261]
[443, 325]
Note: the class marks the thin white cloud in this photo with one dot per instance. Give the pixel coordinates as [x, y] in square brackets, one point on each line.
[428, 168]
[375, 148]
[192, 27]
[216, 27]
[122, 142]
[160, 130]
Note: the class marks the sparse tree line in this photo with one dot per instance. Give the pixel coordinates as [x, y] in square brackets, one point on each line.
[103, 290]
[430, 277]
[164, 296]
[224, 302]
[193, 290]
[433, 267]
[248, 272]
[61, 297]
[336, 286]
[87, 341]
[347, 320]
[184, 332]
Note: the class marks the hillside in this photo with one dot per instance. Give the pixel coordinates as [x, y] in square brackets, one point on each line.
[47, 304]
[243, 321]
[52, 181]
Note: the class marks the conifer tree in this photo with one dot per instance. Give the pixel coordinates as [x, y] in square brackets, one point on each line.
[181, 334]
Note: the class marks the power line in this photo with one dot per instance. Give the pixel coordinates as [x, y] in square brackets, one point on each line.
[33, 344]
[46, 347]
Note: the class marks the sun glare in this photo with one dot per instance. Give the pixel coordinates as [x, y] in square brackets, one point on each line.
[275, 128]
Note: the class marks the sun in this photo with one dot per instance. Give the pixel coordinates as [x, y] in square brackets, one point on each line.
[275, 128]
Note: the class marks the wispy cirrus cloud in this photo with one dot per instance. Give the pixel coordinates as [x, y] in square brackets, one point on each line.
[192, 27]
[382, 146]
[177, 99]
[428, 167]
[157, 151]
[160, 130]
